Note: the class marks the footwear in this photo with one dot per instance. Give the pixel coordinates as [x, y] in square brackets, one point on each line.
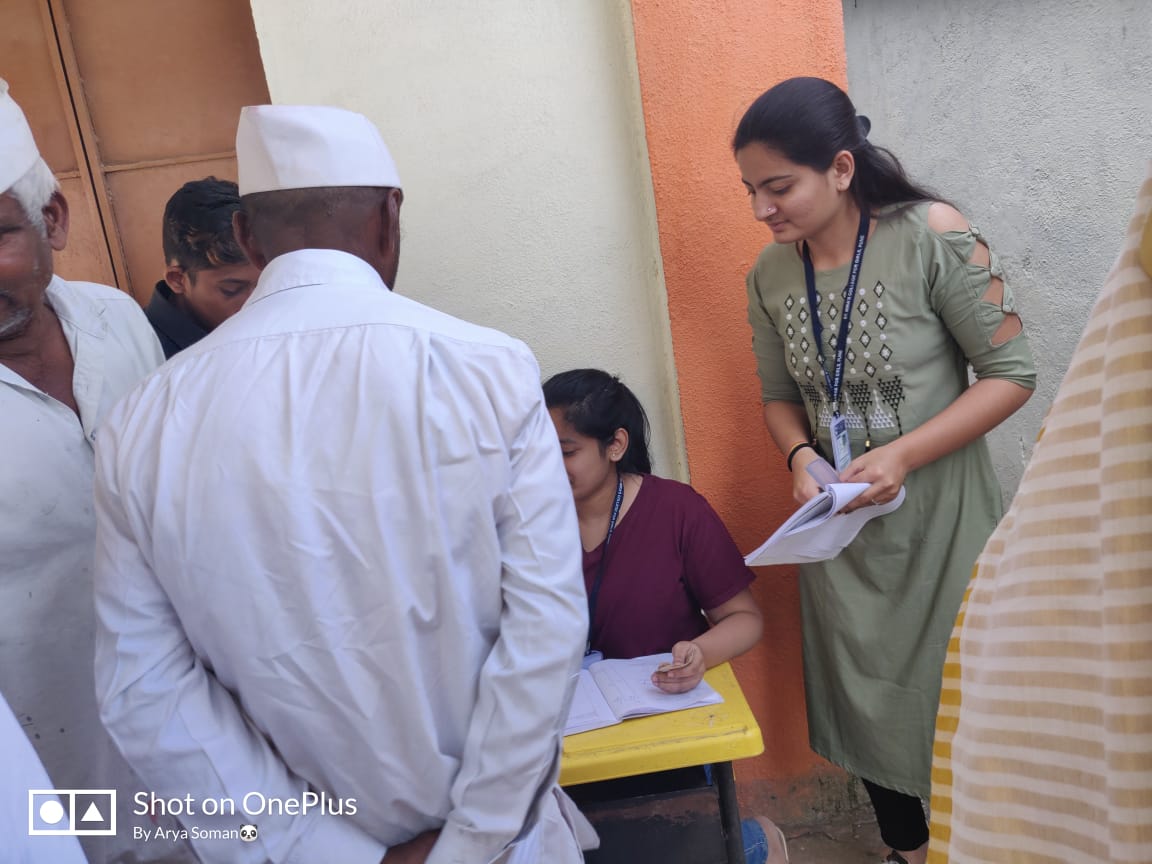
[895, 857]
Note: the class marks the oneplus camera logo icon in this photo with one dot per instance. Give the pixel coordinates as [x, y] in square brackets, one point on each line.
[72, 812]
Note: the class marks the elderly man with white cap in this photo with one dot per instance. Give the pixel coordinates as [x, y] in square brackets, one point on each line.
[68, 351]
[337, 557]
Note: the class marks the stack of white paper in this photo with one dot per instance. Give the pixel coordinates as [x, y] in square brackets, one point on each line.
[818, 530]
[611, 691]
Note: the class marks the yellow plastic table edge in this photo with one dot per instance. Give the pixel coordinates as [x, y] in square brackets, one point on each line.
[697, 736]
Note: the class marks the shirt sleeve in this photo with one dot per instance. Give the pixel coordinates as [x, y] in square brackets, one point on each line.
[512, 751]
[957, 288]
[714, 568]
[173, 721]
[776, 385]
[137, 334]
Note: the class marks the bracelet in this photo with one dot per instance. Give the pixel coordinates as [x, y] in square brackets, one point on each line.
[796, 448]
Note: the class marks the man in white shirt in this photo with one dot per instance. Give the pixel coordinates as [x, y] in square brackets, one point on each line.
[68, 351]
[24, 772]
[337, 554]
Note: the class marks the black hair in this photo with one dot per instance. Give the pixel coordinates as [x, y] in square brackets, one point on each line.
[597, 404]
[810, 120]
[198, 226]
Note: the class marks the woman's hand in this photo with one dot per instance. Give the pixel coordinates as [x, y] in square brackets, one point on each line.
[885, 468]
[803, 486]
[787, 423]
[688, 669]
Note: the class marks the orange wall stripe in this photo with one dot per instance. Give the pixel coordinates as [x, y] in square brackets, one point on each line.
[701, 63]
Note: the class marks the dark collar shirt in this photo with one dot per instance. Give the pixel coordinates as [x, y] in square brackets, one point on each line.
[174, 327]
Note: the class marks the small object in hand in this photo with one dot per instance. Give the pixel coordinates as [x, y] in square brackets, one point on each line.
[823, 473]
[671, 667]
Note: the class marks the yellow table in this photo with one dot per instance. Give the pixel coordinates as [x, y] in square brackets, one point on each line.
[711, 735]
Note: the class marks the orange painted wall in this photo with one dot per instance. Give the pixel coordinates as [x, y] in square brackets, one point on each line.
[701, 64]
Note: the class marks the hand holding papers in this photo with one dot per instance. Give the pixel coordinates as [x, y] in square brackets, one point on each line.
[611, 691]
[818, 530]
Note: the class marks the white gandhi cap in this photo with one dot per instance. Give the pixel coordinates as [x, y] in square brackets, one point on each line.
[18, 151]
[305, 147]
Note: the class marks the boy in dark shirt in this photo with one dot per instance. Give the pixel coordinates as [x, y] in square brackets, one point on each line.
[208, 278]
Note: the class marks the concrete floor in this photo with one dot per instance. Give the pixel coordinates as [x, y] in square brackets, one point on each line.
[849, 839]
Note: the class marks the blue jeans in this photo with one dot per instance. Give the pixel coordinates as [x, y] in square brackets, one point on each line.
[755, 842]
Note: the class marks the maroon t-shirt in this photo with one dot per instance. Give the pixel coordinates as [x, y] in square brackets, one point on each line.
[670, 557]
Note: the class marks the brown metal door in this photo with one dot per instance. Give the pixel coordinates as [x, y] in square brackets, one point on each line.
[129, 99]
[30, 62]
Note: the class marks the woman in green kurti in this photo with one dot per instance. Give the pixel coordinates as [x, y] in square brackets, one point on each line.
[929, 303]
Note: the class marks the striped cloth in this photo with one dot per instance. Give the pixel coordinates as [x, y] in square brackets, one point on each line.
[1043, 748]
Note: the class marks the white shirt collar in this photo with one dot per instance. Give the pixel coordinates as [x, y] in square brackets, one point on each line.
[312, 267]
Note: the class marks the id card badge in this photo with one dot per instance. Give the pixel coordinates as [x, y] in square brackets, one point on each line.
[823, 473]
[841, 449]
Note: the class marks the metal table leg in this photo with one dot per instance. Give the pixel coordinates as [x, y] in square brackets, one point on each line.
[729, 812]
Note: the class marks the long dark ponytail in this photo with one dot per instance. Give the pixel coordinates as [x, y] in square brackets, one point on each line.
[597, 404]
[810, 120]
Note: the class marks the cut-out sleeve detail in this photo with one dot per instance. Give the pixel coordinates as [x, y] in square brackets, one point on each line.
[776, 384]
[971, 296]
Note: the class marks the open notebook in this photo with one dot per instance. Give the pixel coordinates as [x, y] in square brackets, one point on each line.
[818, 530]
[611, 691]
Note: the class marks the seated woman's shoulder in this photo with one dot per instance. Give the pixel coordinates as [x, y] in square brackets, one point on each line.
[674, 492]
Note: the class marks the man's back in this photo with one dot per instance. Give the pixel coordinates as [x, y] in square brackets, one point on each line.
[354, 508]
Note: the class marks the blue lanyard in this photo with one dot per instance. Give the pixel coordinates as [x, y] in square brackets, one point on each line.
[594, 594]
[836, 379]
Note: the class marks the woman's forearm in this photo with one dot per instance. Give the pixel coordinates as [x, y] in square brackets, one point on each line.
[787, 423]
[736, 627]
[978, 410]
[730, 638]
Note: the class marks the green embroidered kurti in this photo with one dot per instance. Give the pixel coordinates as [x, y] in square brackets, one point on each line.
[877, 618]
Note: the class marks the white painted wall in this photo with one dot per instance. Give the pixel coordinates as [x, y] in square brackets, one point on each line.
[1035, 117]
[518, 133]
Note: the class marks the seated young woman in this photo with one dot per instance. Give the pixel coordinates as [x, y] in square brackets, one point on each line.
[664, 575]
[661, 570]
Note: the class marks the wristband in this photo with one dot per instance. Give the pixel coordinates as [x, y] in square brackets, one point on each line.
[796, 448]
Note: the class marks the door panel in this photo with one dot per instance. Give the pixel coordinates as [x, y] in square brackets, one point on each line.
[30, 63]
[178, 90]
[86, 255]
[162, 113]
[128, 100]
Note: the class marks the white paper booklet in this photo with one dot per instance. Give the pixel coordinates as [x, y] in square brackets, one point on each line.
[818, 530]
[611, 691]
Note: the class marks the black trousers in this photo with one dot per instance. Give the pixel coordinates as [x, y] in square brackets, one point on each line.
[900, 817]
